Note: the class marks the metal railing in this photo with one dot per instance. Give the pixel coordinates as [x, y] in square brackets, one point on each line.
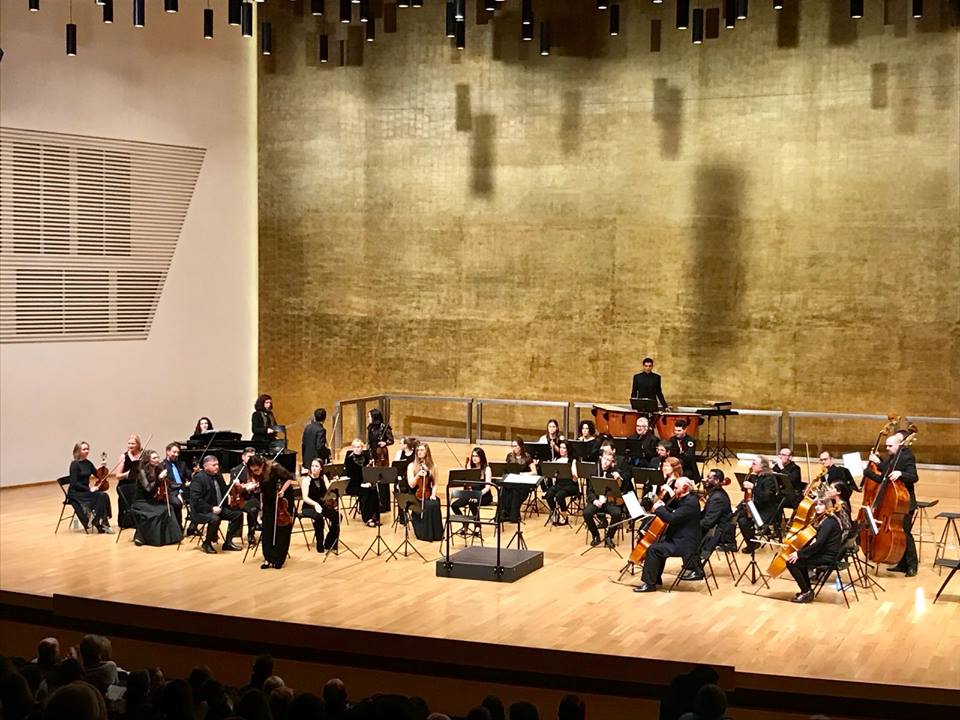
[480, 402]
[384, 402]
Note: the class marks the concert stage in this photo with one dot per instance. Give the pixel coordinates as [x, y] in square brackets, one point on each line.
[565, 628]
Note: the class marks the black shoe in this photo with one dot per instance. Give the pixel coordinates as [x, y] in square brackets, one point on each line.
[747, 549]
[208, 548]
[191, 531]
[230, 547]
[138, 542]
[727, 548]
[644, 588]
[896, 568]
[691, 575]
[803, 598]
[596, 541]
[266, 566]
[911, 573]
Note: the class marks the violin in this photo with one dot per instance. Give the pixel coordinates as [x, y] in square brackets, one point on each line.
[240, 492]
[424, 485]
[284, 518]
[98, 481]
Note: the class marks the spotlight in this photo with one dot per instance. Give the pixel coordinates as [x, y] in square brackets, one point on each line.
[683, 14]
[324, 48]
[234, 12]
[208, 23]
[364, 10]
[526, 12]
[403, 3]
[526, 32]
[544, 38]
[490, 5]
[742, 9]
[33, 5]
[918, 8]
[108, 11]
[697, 26]
[316, 7]
[778, 4]
[729, 14]
[602, 4]
[171, 6]
[371, 31]
[246, 19]
[139, 13]
[346, 12]
[266, 38]
[614, 19]
[451, 22]
[71, 39]
[856, 9]
[461, 6]
[461, 34]
[657, 2]
[417, 3]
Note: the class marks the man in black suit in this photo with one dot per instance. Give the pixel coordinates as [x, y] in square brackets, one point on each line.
[595, 505]
[314, 442]
[785, 465]
[900, 465]
[180, 476]
[716, 520]
[646, 384]
[839, 478]
[207, 505]
[766, 498]
[648, 443]
[682, 536]
[684, 448]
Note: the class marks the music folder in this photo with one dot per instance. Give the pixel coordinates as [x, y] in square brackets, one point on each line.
[521, 479]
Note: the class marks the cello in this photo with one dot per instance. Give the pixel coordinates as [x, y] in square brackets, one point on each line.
[888, 503]
[652, 534]
[796, 541]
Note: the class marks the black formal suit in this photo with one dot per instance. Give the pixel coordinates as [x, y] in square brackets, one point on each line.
[206, 493]
[766, 498]
[822, 550]
[681, 538]
[840, 477]
[716, 518]
[684, 448]
[647, 385]
[612, 509]
[906, 463]
[792, 471]
[648, 449]
[314, 444]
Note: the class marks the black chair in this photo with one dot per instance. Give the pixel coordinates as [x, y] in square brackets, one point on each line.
[63, 483]
[694, 564]
[947, 563]
[844, 561]
[127, 493]
[300, 517]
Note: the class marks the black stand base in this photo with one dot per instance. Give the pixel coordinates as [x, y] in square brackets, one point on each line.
[755, 572]
[477, 563]
[518, 536]
[378, 547]
[336, 550]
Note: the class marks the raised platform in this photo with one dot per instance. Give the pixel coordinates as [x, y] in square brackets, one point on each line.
[480, 563]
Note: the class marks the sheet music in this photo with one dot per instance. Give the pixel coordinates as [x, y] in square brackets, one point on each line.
[854, 463]
[632, 504]
[757, 520]
[873, 523]
[521, 479]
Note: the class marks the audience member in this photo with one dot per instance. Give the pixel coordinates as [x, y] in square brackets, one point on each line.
[279, 700]
[479, 713]
[335, 698]
[710, 703]
[306, 706]
[262, 669]
[571, 708]
[683, 690]
[272, 683]
[175, 701]
[523, 711]
[76, 701]
[16, 700]
[48, 654]
[253, 705]
[495, 707]
[99, 670]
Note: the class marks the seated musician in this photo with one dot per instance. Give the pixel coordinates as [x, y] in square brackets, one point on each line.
[556, 495]
[716, 521]
[596, 505]
[263, 423]
[208, 495]
[474, 497]
[422, 479]
[684, 447]
[785, 465]
[552, 437]
[588, 434]
[91, 506]
[648, 443]
[822, 550]
[766, 498]
[314, 507]
[177, 472]
[512, 497]
[838, 477]
[249, 492]
[356, 459]
[204, 425]
[681, 538]
[662, 453]
[646, 384]
[900, 465]
[156, 507]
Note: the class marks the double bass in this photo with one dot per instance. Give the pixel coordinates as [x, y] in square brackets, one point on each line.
[888, 502]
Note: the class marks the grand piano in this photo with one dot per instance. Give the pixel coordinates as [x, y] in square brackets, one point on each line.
[228, 446]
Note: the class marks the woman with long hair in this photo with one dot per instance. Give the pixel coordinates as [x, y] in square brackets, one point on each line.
[422, 479]
[156, 513]
[263, 422]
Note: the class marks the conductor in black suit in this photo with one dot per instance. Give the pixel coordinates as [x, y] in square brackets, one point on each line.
[207, 505]
[646, 384]
[681, 539]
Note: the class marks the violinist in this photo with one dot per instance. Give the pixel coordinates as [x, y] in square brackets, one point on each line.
[245, 492]
[552, 437]
[471, 496]
[379, 438]
[263, 422]
[648, 444]
[785, 465]
[682, 536]
[766, 498]
[684, 447]
[422, 477]
[839, 478]
[276, 501]
[822, 550]
[129, 463]
[512, 497]
[557, 494]
[596, 505]
[716, 521]
[356, 459]
[314, 488]
[208, 497]
[900, 465]
[91, 506]
[156, 507]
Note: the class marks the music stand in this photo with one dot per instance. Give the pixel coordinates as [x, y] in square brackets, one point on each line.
[580, 449]
[376, 476]
[500, 469]
[556, 471]
[334, 491]
[650, 406]
[464, 478]
[520, 480]
[407, 502]
[608, 488]
[399, 487]
[646, 478]
[866, 581]
[635, 511]
[585, 469]
[538, 451]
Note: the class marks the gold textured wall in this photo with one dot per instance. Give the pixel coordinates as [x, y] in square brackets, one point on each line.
[774, 215]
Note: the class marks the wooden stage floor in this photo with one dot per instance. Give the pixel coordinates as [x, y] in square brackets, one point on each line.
[899, 639]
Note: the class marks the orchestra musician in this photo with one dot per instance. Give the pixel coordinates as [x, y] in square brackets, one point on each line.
[470, 496]
[648, 444]
[263, 423]
[716, 521]
[379, 440]
[684, 447]
[251, 490]
[681, 538]
[839, 478]
[178, 474]
[785, 465]
[822, 550]
[556, 495]
[314, 507]
[356, 459]
[204, 424]
[646, 384]
[156, 506]
[276, 491]
[129, 464]
[595, 505]
[208, 505]
[552, 437]
[422, 478]
[766, 498]
[406, 451]
[92, 507]
[512, 496]
[900, 465]
[588, 433]
[314, 441]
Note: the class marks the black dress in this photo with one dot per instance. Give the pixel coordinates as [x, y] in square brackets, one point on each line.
[316, 490]
[275, 548]
[428, 525]
[126, 491]
[376, 434]
[156, 521]
[90, 506]
[368, 498]
[513, 496]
